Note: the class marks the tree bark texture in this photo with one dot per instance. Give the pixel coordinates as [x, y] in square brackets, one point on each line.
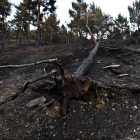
[20, 35]
[38, 26]
[29, 31]
[2, 34]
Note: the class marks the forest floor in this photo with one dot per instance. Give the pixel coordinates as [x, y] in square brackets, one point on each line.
[114, 117]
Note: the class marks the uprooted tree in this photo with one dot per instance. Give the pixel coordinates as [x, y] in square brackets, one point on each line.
[76, 85]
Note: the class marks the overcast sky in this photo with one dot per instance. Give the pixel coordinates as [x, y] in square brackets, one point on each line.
[112, 7]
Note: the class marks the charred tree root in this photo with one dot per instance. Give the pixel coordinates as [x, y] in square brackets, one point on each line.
[23, 88]
[65, 106]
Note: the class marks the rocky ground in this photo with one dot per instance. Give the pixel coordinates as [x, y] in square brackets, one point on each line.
[114, 117]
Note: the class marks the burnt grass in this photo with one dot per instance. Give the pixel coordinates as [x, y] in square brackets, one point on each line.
[111, 117]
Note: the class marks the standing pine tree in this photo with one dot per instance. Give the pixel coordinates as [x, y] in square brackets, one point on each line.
[30, 6]
[20, 19]
[52, 24]
[77, 11]
[47, 5]
[134, 13]
[5, 10]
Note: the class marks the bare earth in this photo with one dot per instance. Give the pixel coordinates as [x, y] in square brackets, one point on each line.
[114, 117]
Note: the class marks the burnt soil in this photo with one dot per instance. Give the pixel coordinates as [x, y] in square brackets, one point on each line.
[114, 117]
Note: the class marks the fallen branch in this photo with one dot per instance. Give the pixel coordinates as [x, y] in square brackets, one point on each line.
[22, 89]
[111, 66]
[46, 104]
[31, 64]
[123, 75]
[132, 49]
[124, 55]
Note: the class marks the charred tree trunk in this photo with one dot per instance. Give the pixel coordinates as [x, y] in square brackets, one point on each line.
[20, 35]
[2, 34]
[29, 30]
[81, 71]
[38, 26]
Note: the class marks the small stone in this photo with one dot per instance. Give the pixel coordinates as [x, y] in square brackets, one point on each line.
[90, 103]
[83, 122]
[35, 102]
[113, 109]
[138, 128]
[51, 127]
[74, 111]
[135, 107]
[54, 135]
[92, 133]
[113, 104]
[83, 110]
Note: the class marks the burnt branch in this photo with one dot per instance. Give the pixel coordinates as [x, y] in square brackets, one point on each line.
[31, 64]
[23, 88]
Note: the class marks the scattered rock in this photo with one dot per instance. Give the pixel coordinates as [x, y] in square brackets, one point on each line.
[111, 66]
[100, 103]
[122, 75]
[51, 127]
[36, 102]
[74, 111]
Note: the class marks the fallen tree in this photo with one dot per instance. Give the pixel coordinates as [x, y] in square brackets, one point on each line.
[71, 86]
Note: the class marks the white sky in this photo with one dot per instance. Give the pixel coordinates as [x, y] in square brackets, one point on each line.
[112, 7]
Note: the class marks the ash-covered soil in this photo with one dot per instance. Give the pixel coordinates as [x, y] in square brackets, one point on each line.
[114, 117]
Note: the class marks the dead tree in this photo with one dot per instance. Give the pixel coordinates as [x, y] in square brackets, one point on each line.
[67, 85]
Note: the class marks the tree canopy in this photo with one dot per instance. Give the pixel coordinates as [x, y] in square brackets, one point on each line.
[76, 13]
[134, 13]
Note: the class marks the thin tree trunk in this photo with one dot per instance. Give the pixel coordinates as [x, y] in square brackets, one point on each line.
[38, 26]
[79, 30]
[51, 35]
[29, 31]
[45, 39]
[77, 37]
[29, 34]
[20, 35]
[2, 34]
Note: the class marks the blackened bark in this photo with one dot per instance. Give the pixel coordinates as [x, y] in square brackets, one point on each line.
[2, 35]
[20, 35]
[29, 35]
[81, 71]
[38, 26]
[29, 31]
[37, 38]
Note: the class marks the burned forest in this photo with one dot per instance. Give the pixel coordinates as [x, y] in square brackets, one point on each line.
[76, 84]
